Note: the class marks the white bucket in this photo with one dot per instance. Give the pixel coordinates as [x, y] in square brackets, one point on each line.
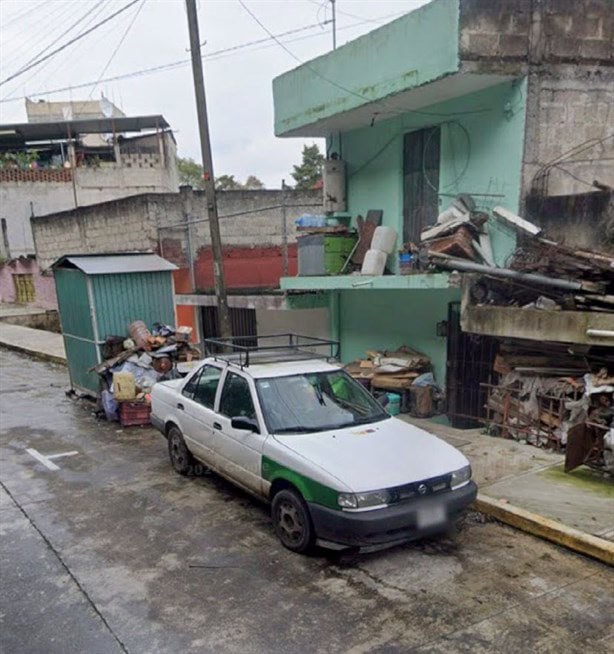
[384, 239]
[374, 263]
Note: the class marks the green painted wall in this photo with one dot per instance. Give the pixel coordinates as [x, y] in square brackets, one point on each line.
[122, 298]
[481, 152]
[387, 319]
[414, 49]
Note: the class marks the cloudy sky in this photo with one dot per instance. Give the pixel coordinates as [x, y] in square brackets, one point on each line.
[153, 33]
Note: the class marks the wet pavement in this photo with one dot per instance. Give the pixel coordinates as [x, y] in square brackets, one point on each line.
[114, 552]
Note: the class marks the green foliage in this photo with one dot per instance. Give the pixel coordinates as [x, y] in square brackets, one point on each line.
[226, 183]
[19, 159]
[252, 182]
[190, 173]
[309, 171]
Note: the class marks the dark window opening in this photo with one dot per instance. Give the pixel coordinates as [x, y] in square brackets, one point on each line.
[421, 157]
[243, 323]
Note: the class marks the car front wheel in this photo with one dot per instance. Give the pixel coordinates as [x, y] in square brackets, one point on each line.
[181, 458]
[292, 521]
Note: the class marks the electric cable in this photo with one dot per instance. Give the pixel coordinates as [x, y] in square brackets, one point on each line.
[23, 14]
[340, 86]
[162, 67]
[63, 47]
[61, 36]
[117, 47]
[97, 11]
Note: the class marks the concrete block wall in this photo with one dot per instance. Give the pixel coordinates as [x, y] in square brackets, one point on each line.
[116, 226]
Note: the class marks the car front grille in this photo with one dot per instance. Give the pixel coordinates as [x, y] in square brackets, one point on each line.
[420, 489]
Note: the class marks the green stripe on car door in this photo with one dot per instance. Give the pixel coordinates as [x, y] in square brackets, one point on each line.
[312, 491]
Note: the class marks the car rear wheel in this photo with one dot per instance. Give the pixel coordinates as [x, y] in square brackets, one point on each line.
[181, 458]
[292, 521]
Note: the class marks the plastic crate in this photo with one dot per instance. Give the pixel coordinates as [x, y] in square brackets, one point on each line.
[134, 413]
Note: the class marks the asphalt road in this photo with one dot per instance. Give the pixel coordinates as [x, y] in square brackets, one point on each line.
[114, 552]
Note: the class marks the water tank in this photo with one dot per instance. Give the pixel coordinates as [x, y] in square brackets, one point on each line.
[334, 185]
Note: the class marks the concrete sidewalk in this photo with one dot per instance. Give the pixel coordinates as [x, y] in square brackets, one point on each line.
[526, 487]
[35, 342]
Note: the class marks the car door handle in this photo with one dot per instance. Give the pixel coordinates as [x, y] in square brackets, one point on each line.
[180, 406]
[216, 425]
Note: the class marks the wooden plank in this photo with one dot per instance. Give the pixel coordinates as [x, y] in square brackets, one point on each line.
[517, 221]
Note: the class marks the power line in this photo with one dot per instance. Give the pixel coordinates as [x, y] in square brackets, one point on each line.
[162, 67]
[60, 37]
[95, 13]
[117, 47]
[340, 86]
[23, 14]
[63, 47]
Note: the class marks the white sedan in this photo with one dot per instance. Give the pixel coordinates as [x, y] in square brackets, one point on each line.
[337, 470]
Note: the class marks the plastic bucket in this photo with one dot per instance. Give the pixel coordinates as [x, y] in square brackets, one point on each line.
[394, 404]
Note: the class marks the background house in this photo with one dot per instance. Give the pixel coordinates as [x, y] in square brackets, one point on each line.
[259, 246]
[508, 101]
[70, 155]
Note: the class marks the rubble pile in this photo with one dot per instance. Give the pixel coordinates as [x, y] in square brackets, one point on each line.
[133, 363]
[547, 397]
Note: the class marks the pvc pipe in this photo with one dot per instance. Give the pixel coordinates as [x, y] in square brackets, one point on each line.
[469, 266]
[600, 333]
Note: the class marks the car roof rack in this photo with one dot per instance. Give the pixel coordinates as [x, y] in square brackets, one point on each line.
[272, 348]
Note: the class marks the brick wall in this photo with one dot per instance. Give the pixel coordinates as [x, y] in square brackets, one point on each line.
[36, 175]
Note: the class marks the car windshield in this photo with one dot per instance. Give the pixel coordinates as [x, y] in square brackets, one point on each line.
[316, 402]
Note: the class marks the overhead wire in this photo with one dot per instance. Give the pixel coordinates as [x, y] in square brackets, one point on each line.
[42, 25]
[95, 12]
[336, 84]
[164, 67]
[62, 35]
[118, 46]
[66, 45]
[23, 14]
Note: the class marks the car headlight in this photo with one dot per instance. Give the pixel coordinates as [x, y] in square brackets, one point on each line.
[460, 477]
[363, 500]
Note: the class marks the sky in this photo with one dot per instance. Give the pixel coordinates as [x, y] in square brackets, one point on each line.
[154, 33]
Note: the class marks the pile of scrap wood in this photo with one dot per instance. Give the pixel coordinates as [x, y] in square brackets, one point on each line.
[542, 274]
[542, 392]
[390, 369]
[460, 231]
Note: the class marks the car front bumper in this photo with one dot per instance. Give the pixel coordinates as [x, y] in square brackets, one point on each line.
[394, 524]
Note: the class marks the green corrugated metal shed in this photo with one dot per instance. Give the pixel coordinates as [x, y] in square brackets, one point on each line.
[100, 295]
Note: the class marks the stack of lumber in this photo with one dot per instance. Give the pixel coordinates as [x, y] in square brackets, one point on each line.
[390, 369]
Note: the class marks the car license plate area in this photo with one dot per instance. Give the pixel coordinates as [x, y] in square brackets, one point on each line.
[430, 517]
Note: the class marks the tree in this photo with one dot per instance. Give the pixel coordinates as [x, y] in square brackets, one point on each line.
[252, 182]
[309, 171]
[226, 183]
[190, 173]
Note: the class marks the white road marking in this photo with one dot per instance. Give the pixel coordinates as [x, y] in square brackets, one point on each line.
[46, 460]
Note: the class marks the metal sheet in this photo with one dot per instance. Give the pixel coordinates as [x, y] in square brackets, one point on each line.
[61, 129]
[121, 299]
[116, 263]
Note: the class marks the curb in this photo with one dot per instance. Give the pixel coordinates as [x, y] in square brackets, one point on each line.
[557, 532]
[37, 354]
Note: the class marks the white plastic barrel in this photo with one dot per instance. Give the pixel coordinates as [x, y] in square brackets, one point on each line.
[374, 263]
[384, 239]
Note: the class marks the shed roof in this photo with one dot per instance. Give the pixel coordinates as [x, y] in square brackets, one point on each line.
[110, 264]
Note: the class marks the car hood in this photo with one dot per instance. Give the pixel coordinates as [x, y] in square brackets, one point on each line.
[379, 455]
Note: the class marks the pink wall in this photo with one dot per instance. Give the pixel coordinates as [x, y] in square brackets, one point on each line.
[44, 286]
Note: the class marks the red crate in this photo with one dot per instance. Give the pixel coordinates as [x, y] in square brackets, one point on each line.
[134, 413]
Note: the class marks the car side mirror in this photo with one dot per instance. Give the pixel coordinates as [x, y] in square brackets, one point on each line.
[245, 424]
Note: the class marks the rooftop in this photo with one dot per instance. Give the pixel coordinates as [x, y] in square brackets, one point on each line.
[18, 133]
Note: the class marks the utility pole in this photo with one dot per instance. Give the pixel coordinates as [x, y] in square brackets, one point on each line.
[332, 2]
[284, 231]
[223, 315]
